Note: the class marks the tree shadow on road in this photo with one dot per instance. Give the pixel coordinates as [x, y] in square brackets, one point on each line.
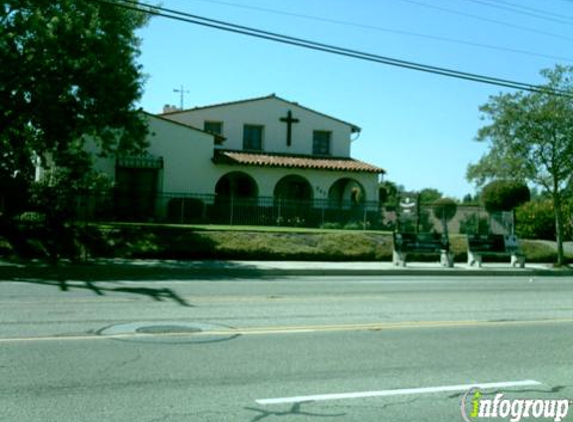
[132, 270]
[69, 276]
[157, 294]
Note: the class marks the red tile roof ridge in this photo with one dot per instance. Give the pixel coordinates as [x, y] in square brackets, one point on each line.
[274, 159]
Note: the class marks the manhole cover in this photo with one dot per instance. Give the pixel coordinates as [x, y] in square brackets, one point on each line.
[167, 329]
[168, 332]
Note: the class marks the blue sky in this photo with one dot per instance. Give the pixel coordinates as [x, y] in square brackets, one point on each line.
[419, 127]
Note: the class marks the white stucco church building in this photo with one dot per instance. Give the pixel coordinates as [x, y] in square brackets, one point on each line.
[257, 149]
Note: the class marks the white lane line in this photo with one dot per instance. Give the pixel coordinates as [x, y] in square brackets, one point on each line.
[400, 392]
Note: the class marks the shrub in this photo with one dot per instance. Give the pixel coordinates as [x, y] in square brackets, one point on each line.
[184, 210]
[353, 225]
[445, 209]
[504, 195]
[331, 226]
[536, 220]
[32, 217]
[474, 224]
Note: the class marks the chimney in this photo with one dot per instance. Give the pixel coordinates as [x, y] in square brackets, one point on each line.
[168, 108]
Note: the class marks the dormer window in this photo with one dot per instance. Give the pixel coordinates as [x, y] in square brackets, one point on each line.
[213, 127]
[253, 137]
[321, 142]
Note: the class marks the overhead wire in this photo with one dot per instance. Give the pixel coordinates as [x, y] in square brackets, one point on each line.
[525, 11]
[387, 30]
[313, 45]
[532, 9]
[485, 19]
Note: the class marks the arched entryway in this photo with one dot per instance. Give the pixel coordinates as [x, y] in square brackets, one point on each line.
[237, 185]
[293, 188]
[346, 192]
[235, 198]
[346, 203]
[293, 201]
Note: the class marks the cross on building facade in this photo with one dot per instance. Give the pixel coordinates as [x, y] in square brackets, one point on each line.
[289, 120]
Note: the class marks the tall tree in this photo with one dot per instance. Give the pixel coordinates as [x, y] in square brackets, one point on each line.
[68, 74]
[531, 139]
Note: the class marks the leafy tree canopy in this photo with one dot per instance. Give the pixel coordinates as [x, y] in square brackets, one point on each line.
[468, 199]
[68, 73]
[504, 195]
[389, 192]
[429, 195]
[531, 138]
[530, 135]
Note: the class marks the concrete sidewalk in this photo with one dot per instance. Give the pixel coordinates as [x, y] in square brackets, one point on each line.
[414, 268]
[123, 269]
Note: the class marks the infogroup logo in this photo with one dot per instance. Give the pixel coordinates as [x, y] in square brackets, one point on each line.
[475, 407]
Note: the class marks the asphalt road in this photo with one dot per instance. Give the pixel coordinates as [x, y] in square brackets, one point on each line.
[299, 349]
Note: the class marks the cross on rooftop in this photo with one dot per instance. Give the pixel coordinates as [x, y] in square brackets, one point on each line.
[289, 120]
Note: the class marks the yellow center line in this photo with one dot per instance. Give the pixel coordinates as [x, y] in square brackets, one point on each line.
[248, 331]
[379, 326]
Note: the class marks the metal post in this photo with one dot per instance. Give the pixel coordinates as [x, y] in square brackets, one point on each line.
[232, 209]
[418, 209]
[86, 197]
[182, 93]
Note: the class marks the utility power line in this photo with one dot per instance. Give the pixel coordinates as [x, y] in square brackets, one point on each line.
[535, 13]
[484, 19]
[539, 11]
[387, 30]
[312, 45]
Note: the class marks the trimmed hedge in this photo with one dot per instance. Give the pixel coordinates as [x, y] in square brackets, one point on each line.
[504, 195]
[164, 242]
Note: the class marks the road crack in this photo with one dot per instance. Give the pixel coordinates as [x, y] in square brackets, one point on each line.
[123, 363]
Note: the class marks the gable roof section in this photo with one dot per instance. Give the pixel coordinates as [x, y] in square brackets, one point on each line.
[353, 127]
[295, 161]
[218, 138]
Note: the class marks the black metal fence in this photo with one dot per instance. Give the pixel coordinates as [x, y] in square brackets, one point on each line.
[184, 208]
[467, 219]
[180, 208]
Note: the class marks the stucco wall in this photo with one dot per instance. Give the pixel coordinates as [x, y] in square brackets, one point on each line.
[267, 112]
[186, 153]
[188, 167]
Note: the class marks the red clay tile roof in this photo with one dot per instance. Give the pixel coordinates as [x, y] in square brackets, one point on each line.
[294, 161]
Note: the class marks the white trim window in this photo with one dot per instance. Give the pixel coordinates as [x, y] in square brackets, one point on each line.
[253, 137]
[213, 127]
[321, 142]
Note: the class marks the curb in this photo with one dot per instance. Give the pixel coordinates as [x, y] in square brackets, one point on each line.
[414, 272]
[141, 270]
